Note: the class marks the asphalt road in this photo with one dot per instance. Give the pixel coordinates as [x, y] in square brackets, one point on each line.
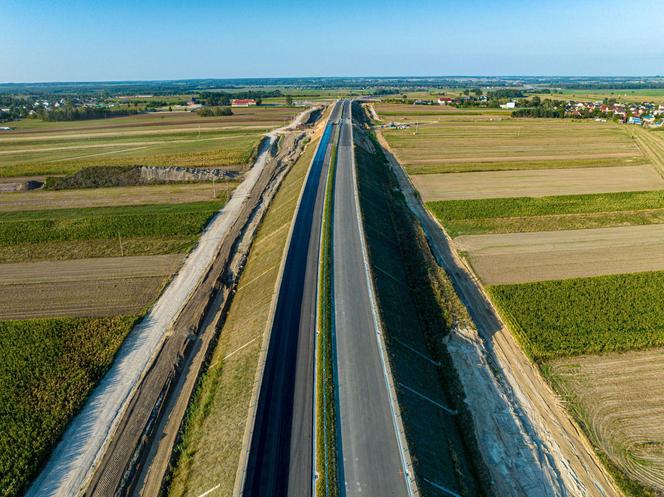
[280, 461]
[371, 464]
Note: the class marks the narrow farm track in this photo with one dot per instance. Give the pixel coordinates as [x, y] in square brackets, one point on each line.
[652, 145]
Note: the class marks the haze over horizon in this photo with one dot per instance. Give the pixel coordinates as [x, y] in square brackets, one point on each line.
[71, 40]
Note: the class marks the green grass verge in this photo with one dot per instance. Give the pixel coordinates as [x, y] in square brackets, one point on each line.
[504, 215]
[326, 422]
[47, 369]
[562, 318]
[103, 223]
[467, 167]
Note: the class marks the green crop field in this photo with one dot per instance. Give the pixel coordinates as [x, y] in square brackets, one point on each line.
[105, 223]
[103, 231]
[585, 315]
[47, 369]
[507, 215]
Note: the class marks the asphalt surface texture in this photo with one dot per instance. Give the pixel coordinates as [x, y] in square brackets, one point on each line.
[280, 461]
[370, 462]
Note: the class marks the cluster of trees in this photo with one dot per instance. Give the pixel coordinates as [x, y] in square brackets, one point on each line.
[70, 113]
[220, 98]
[214, 111]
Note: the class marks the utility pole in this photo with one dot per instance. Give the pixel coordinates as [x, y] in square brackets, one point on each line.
[214, 191]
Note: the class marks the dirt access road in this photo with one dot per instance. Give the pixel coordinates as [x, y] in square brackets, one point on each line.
[530, 444]
[88, 436]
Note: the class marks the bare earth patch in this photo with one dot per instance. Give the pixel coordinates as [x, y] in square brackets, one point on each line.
[83, 287]
[536, 183]
[552, 255]
[620, 399]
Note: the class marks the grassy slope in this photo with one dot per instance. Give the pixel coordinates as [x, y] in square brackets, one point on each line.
[212, 441]
[47, 369]
[506, 215]
[585, 315]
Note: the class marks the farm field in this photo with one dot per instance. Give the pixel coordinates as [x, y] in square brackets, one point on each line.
[47, 369]
[563, 222]
[550, 213]
[157, 139]
[25, 235]
[459, 140]
[83, 287]
[579, 316]
[525, 257]
[537, 183]
[113, 196]
[618, 399]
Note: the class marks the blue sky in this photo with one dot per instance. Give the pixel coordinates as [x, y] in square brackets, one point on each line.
[74, 40]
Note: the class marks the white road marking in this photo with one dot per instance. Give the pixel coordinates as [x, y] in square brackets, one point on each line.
[428, 398]
[240, 348]
[210, 491]
[440, 487]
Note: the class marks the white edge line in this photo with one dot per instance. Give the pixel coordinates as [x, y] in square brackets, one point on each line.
[404, 454]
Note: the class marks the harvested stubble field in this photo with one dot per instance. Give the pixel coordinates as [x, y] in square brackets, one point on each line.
[523, 214]
[458, 141]
[47, 369]
[618, 400]
[209, 453]
[159, 139]
[551, 255]
[114, 196]
[83, 287]
[537, 183]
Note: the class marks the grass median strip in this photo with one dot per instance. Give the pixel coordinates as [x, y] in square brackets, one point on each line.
[326, 418]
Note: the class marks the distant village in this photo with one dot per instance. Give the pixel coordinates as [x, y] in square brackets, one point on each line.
[646, 114]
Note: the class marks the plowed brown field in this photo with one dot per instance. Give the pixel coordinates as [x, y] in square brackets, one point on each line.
[83, 287]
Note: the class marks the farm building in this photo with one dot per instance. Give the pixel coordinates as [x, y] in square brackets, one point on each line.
[243, 102]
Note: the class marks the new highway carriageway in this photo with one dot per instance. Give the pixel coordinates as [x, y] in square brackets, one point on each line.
[280, 460]
[372, 458]
[372, 455]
